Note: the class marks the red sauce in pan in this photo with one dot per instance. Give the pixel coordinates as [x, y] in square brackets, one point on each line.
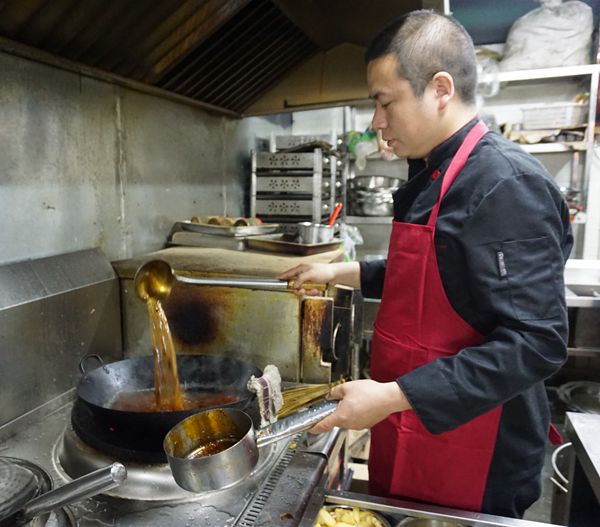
[145, 401]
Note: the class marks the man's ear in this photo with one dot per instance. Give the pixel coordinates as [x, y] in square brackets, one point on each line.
[443, 87]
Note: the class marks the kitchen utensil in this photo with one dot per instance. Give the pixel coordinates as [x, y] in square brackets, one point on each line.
[217, 448]
[199, 375]
[16, 512]
[155, 278]
[300, 396]
[335, 214]
[310, 233]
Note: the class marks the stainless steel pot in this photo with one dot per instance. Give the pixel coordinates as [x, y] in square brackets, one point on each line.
[218, 448]
[375, 182]
[310, 233]
[372, 203]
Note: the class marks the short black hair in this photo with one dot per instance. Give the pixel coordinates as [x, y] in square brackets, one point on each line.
[425, 43]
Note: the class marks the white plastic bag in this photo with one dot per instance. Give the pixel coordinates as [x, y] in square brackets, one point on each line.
[555, 34]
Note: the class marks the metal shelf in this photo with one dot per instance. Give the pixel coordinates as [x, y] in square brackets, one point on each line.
[553, 148]
[545, 73]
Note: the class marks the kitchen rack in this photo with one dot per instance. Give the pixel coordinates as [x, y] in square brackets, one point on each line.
[550, 83]
[289, 187]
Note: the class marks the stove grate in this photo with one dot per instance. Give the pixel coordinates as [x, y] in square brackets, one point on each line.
[252, 511]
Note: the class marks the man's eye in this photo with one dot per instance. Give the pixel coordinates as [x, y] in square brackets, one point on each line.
[385, 105]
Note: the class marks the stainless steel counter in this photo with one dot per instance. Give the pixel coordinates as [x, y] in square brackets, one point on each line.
[578, 504]
[583, 296]
[583, 430]
[400, 509]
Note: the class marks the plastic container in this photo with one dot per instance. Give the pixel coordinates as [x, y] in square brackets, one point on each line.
[554, 115]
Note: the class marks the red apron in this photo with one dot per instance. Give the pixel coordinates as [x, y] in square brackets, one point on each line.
[415, 325]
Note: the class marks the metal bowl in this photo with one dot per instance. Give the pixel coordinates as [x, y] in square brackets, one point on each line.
[372, 202]
[375, 182]
[581, 396]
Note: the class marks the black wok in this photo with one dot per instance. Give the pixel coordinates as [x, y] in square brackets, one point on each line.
[198, 374]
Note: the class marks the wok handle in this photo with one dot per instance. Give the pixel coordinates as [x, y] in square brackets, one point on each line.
[83, 362]
[93, 483]
[295, 423]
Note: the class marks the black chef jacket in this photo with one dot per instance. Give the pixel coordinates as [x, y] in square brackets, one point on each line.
[502, 237]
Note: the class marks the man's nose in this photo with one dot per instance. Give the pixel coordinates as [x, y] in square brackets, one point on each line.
[378, 122]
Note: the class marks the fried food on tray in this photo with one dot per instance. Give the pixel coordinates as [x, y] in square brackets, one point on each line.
[346, 517]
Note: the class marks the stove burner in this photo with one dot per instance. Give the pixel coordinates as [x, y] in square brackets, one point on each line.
[145, 481]
[125, 444]
[122, 444]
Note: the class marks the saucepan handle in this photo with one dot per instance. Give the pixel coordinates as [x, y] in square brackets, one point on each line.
[89, 485]
[295, 423]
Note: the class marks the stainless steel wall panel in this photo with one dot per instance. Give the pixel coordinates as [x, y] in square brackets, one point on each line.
[58, 319]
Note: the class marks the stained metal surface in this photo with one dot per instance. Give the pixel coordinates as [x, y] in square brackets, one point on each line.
[262, 327]
[317, 337]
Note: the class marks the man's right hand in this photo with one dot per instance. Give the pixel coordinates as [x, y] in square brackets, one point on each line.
[347, 273]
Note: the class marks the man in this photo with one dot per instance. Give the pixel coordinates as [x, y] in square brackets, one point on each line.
[473, 315]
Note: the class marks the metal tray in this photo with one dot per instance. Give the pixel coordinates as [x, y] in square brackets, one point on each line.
[278, 243]
[223, 230]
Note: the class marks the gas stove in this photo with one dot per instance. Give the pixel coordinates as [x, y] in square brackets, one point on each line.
[276, 492]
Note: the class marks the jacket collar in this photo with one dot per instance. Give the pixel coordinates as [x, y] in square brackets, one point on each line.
[443, 152]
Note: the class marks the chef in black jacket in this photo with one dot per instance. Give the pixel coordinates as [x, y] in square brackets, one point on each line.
[473, 315]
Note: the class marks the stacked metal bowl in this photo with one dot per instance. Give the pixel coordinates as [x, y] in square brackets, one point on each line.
[372, 195]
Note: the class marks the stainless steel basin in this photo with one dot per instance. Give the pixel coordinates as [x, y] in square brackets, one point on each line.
[583, 295]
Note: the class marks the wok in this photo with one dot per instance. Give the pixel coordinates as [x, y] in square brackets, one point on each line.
[198, 374]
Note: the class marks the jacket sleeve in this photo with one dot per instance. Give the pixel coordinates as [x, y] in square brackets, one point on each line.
[371, 278]
[515, 244]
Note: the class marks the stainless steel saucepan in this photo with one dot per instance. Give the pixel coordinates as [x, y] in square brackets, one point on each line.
[217, 448]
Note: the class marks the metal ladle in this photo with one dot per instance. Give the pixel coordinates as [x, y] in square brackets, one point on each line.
[155, 279]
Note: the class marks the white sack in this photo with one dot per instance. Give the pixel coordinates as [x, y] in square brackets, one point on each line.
[549, 36]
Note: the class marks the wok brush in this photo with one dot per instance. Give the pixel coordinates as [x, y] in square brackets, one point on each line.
[301, 396]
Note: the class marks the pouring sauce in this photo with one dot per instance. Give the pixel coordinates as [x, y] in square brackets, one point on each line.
[167, 391]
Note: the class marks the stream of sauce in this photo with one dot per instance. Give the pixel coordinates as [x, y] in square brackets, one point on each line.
[167, 391]
[167, 395]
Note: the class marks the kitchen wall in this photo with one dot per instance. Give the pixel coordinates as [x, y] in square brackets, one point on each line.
[86, 163]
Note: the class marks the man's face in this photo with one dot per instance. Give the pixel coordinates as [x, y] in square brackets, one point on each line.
[406, 122]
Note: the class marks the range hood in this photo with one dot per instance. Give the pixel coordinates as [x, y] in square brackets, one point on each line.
[237, 57]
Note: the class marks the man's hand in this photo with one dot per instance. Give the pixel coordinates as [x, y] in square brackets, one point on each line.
[346, 273]
[363, 403]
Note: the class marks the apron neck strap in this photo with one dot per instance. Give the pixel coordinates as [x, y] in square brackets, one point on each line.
[456, 165]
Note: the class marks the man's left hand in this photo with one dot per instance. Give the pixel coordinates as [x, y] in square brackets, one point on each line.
[363, 403]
